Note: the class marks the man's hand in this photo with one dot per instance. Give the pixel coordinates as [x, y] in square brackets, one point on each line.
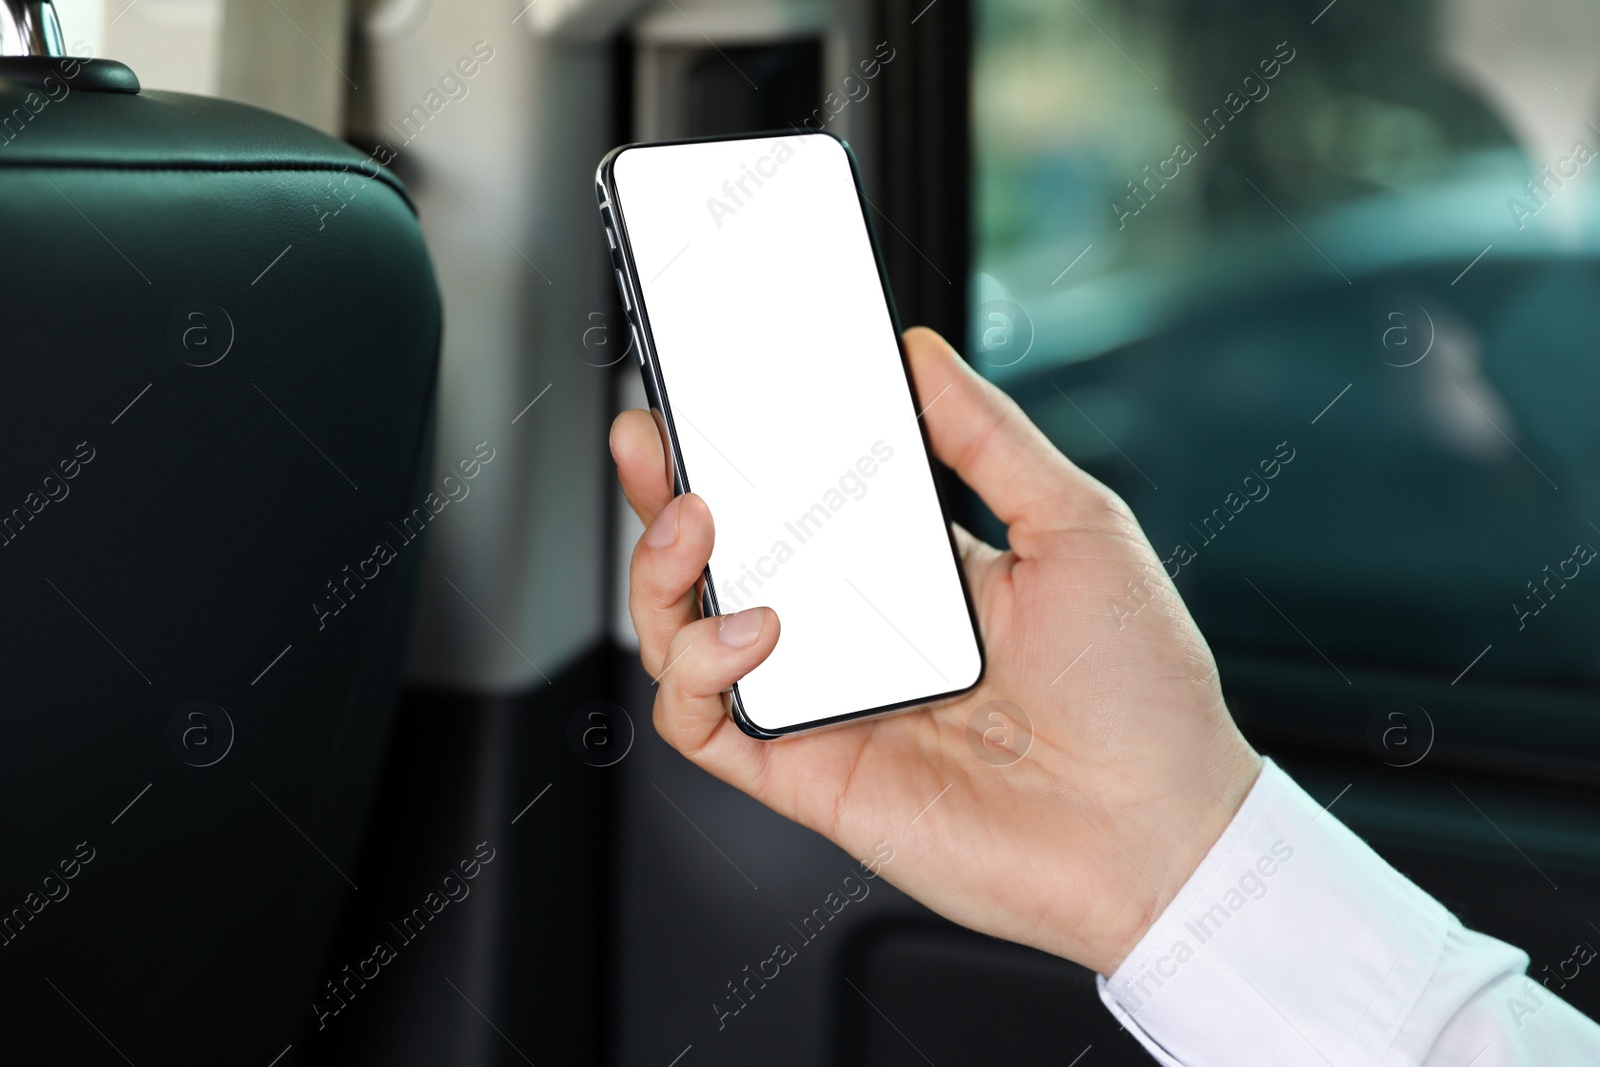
[1135, 766]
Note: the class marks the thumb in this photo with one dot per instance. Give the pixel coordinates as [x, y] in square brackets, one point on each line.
[980, 433]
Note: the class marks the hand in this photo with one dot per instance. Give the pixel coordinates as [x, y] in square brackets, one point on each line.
[1135, 766]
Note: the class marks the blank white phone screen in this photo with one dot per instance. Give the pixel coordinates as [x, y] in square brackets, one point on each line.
[795, 422]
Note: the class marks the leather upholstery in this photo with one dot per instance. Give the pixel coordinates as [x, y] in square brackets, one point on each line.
[168, 519]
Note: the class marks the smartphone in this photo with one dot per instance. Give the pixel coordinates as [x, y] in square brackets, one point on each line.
[752, 279]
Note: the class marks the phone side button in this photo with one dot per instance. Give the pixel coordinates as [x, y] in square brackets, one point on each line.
[637, 346]
[622, 287]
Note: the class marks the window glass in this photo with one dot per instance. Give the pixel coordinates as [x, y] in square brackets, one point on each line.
[1318, 294]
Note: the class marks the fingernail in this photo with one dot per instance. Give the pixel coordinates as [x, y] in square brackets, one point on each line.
[741, 629]
[664, 530]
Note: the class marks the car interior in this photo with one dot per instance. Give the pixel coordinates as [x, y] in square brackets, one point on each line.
[315, 562]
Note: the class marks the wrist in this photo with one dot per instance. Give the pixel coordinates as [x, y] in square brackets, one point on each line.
[1181, 836]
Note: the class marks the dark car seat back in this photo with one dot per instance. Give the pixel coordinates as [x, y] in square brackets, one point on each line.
[219, 332]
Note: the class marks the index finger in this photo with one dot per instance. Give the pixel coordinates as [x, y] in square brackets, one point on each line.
[641, 463]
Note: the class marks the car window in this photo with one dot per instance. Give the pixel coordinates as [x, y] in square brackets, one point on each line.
[1318, 294]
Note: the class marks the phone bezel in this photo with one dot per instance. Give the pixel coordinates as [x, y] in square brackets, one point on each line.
[612, 217]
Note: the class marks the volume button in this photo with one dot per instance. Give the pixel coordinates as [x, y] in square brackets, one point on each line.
[622, 287]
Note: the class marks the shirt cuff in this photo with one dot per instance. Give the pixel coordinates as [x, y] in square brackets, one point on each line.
[1293, 942]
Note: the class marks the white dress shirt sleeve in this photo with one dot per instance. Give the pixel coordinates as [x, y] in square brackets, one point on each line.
[1294, 943]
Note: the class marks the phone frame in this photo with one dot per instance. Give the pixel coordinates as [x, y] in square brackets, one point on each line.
[655, 389]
